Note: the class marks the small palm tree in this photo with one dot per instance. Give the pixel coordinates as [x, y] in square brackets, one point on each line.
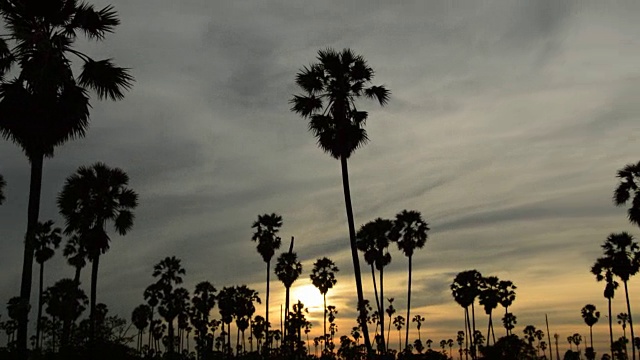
[590, 316]
[76, 255]
[90, 198]
[288, 269]
[577, 339]
[267, 227]
[450, 344]
[509, 321]
[629, 187]
[203, 300]
[45, 104]
[66, 302]
[489, 298]
[506, 294]
[172, 300]
[465, 288]
[410, 233]
[330, 90]
[47, 239]
[140, 318]
[398, 322]
[323, 276]
[603, 270]
[418, 320]
[623, 318]
[390, 311]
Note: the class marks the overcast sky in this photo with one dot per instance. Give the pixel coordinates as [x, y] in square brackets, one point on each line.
[506, 125]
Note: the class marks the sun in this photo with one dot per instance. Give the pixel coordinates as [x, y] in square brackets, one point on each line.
[309, 295]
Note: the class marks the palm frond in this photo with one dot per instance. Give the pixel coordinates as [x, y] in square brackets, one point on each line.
[310, 79]
[124, 222]
[305, 105]
[105, 78]
[95, 24]
[379, 93]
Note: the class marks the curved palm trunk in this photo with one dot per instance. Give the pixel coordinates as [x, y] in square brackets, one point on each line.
[266, 315]
[33, 213]
[406, 336]
[382, 310]
[92, 314]
[375, 288]
[38, 322]
[354, 252]
[626, 294]
[610, 330]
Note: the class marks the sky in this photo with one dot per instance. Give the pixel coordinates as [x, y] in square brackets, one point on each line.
[506, 125]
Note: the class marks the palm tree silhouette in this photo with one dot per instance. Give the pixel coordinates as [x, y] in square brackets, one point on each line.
[47, 239]
[465, 288]
[623, 318]
[373, 239]
[152, 296]
[244, 308]
[226, 307]
[410, 233]
[267, 227]
[337, 80]
[172, 300]
[506, 294]
[90, 198]
[398, 322]
[603, 270]
[65, 301]
[76, 255]
[203, 300]
[629, 186]
[509, 321]
[323, 276]
[140, 319]
[577, 339]
[489, 298]
[390, 311]
[45, 104]
[590, 316]
[623, 254]
[288, 268]
[418, 320]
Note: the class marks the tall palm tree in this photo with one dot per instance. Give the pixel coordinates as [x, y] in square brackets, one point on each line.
[90, 198]
[489, 298]
[629, 186]
[603, 270]
[169, 273]
[330, 90]
[226, 307]
[140, 318]
[46, 104]
[623, 252]
[506, 294]
[323, 276]
[373, 239]
[288, 269]
[590, 316]
[47, 239]
[267, 227]
[465, 288]
[245, 297]
[410, 233]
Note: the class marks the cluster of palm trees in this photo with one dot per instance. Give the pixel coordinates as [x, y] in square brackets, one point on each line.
[43, 104]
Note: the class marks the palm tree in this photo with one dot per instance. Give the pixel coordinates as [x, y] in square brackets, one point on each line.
[288, 268]
[489, 298]
[169, 272]
[76, 255]
[267, 227]
[90, 198]
[590, 316]
[323, 276]
[337, 81]
[410, 233]
[602, 269]
[373, 239]
[623, 318]
[450, 344]
[45, 104]
[418, 320]
[390, 311]
[398, 322]
[65, 301]
[629, 185]
[226, 307]
[506, 294]
[152, 296]
[530, 334]
[465, 288]
[509, 321]
[244, 308]
[47, 239]
[577, 339]
[203, 300]
[623, 253]
[140, 319]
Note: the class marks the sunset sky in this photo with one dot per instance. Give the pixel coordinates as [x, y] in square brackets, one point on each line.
[506, 125]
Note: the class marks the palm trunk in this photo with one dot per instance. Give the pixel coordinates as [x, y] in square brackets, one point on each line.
[489, 329]
[473, 335]
[151, 327]
[388, 332]
[381, 309]
[354, 253]
[375, 288]
[469, 341]
[38, 319]
[266, 314]
[33, 213]
[324, 321]
[626, 294]
[591, 336]
[406, 336]
[170, 336]
[286, 316]
[546, 320]
[92, 314]
[610, 330]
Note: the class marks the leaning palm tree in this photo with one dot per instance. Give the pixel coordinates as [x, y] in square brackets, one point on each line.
[288, 269]
[602, 269]
[623, 253]
[410, 233]
[323, 276]
[47, 239]
[373, 240]
[629, 186]
[330, 90]
[267, 227]
[46, 104]
[590, 316]
[90, 198]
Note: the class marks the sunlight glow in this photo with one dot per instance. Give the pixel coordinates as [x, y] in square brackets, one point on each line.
[309, 295]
